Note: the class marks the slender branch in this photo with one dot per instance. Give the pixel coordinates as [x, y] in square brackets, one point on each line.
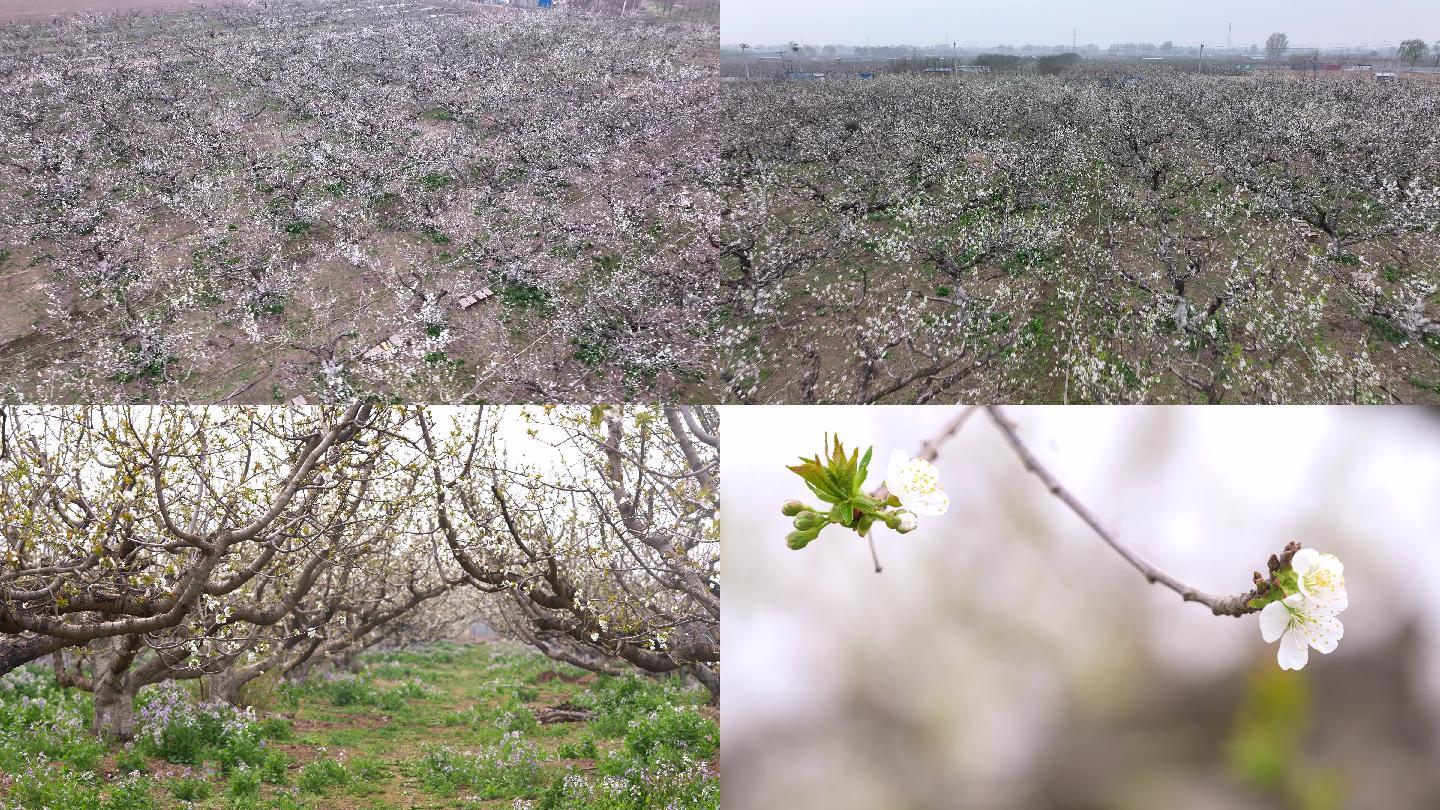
[1219, 605]
[874, 555]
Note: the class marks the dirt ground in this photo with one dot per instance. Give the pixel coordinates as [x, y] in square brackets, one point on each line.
[29, 9]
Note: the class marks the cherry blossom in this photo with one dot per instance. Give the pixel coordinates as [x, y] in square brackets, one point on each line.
[916, 484]
[1300, 623]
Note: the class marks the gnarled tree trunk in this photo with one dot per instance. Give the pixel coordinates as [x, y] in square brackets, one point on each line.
[114, 709]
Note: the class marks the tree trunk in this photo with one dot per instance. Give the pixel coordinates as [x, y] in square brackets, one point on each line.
[347, 661]
[114, 710]
[227, 684]
[708, 678]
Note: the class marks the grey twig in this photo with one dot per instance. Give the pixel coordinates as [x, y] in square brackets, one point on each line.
[1219, 605]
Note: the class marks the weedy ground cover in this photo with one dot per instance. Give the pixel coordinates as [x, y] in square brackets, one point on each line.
[449, 726]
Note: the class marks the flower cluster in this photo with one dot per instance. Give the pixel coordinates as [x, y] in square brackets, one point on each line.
[912, 487]
[1303, 610]
[179, 730]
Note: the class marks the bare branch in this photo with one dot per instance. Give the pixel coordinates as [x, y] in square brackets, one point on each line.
[1219, 605]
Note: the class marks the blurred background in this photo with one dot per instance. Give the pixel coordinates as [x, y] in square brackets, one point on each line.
[1006, 658]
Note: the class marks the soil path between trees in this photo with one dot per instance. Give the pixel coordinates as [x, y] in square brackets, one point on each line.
[11, 10]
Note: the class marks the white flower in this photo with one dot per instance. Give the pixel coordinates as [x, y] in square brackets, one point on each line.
[1321, 578]
[1300, 623]
[917, 484]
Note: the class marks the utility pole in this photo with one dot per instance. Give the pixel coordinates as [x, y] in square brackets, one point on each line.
[1229, 32]
[1202, 59]
[1072, 39]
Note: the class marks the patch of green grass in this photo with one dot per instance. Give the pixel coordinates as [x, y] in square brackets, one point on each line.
[464, 734]
[1424, 386]
[128, 760]
[585, 749]
[435, 236]
[189, 789]
[434, 181]
[616, 701]
[30, 699]
[140, 369]
[520, 295]
[47, 788]
[244, 786]
[509, 769]
[1386, 331]
[322, 775]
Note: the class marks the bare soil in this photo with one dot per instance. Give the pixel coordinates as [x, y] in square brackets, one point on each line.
[11, 10]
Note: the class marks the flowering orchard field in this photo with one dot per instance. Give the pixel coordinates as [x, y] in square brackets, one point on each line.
[153, 556]
[442, 726]
[1140, 236]
[436, 201]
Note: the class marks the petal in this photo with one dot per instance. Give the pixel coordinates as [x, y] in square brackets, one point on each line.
[1293, 653]
[1324, 580]
[895, 471]
[1274, 620]
[1338, 602]
[1333, 563]
[933, 504]
[1327, 604]
[1304, 560]
[1323, 634]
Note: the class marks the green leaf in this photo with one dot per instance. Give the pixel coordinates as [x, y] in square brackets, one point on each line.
[818, 480]
[839, 476]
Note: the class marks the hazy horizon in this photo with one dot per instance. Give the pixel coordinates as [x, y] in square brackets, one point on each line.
[1319, 23]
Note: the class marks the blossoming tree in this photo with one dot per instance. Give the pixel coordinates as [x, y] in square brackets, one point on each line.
[1119, 235]
[631, 573]
[321, 199]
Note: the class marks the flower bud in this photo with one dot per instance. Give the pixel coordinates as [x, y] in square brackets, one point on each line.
[792, 508]
[808, 520]
[800, 539]
[905, 522]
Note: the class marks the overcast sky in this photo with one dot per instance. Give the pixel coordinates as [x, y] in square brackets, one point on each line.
[927, 22]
